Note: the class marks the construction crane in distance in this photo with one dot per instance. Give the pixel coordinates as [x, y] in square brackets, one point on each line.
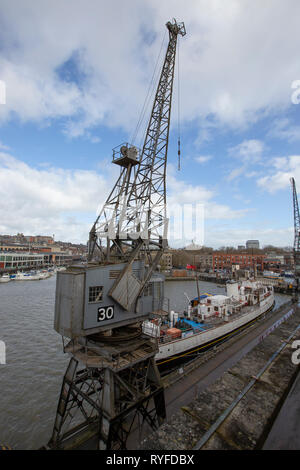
[296, 250]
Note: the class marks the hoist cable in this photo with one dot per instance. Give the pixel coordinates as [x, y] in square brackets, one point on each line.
[148, 95]
[178, 106]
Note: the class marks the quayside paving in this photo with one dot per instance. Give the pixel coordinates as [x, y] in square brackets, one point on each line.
[238, 410]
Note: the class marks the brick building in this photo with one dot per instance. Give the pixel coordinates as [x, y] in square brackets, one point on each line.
[244, 260]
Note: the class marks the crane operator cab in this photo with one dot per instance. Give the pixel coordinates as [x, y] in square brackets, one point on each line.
[89, 298]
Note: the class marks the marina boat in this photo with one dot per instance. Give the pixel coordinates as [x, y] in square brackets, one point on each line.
[44, 274]
[208, 321]
[271, 275]
[5, 278]
[60, 268]
[27, 276]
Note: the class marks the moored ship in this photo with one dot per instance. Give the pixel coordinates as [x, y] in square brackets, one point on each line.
[208, 320]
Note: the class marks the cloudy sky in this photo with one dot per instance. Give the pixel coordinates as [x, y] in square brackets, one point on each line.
[77, 74]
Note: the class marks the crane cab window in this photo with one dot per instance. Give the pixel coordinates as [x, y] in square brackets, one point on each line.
[95, 294]
[148, 290]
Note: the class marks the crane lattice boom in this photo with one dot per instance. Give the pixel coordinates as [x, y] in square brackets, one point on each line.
[133, 219]
[296, 232]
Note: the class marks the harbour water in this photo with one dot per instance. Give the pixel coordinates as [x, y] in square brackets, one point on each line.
[30, 380]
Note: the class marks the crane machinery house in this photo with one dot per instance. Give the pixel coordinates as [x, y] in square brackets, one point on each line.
[89, 298]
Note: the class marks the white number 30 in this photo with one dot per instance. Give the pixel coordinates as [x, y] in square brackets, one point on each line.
[105, 313]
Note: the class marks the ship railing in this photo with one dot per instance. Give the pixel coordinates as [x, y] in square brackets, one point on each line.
[167, 338]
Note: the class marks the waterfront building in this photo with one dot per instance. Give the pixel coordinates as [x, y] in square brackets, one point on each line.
[23, 260]
[244, 260]
[204, 261]
[20, 260]
[166, 263]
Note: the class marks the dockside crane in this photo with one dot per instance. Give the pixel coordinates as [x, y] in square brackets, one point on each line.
[296, 249]
[100, 307]
[133, 222]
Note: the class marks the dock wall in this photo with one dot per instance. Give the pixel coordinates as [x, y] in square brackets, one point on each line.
[237, 411]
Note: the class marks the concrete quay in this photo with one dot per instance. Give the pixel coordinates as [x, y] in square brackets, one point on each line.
[252, 400]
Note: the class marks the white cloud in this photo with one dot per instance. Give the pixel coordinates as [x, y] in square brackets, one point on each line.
[284, 129]
[203, 158]
[180, 192]
[248, 151]
[229, 70]
[284, 168]
[50, 200]
[3, 147]
[235, 173]
[223, 236]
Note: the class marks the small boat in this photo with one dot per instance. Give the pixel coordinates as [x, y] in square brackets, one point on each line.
[23, 276]
[44, 274]
[5, 278]
[271, 275]
[61, 268]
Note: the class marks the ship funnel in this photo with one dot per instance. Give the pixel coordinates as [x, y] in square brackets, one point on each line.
[232, 289]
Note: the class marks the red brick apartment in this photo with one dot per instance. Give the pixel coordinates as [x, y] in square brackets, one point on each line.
[244, 260]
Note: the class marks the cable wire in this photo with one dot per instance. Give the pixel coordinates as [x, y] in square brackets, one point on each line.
[178, 117]
[148, 95]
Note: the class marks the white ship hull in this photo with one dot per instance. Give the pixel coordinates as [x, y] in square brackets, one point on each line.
[176, 349]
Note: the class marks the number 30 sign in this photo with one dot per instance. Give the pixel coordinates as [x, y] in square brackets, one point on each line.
[105, 313]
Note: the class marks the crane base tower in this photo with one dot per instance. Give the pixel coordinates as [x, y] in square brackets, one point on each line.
[105, 402]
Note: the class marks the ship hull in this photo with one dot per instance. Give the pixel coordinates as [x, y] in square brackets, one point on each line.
[179, 351]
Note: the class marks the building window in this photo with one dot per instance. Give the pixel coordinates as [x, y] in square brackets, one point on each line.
[95, 294]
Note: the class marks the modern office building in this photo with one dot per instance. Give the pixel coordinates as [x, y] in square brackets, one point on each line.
[250, 244]
[21, 260]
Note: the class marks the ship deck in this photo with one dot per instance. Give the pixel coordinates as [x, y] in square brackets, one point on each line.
[211, 323]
